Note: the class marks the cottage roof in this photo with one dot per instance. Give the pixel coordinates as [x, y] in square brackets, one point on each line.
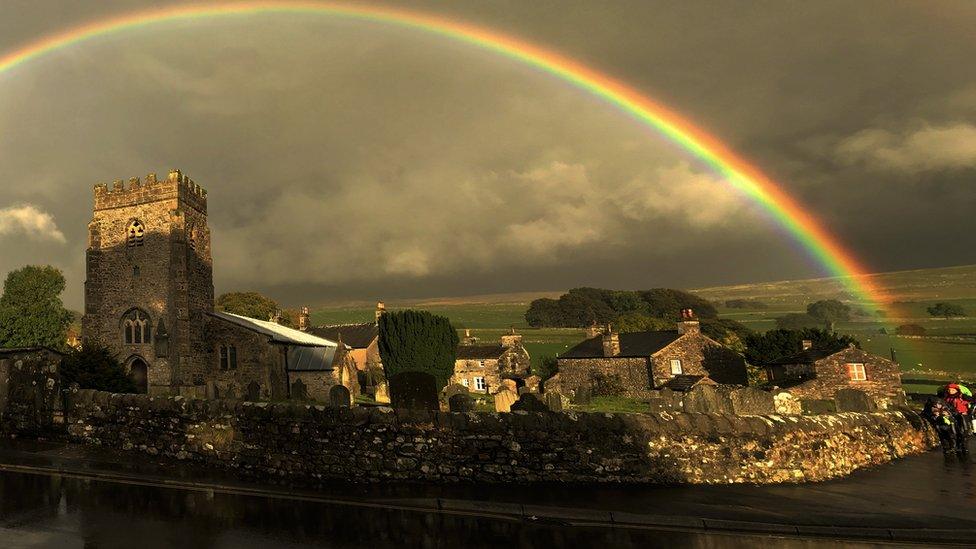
[808, 356]
[277, 332]
[479, 352]
[637, 344]
[311, 359]
[356, 336]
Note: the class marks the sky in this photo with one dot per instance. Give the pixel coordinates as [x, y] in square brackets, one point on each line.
[349, 160]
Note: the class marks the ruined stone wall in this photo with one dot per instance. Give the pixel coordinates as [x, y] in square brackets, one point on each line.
[30, 392]
[311, 444]
[632, 375]
[883, 382]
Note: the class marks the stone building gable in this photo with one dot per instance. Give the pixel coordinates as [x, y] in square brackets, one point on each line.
[831, 373]
[699, 355]
[491, 362]
[259, 362]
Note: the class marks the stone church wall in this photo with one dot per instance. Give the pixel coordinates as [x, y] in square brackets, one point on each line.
[314, 444]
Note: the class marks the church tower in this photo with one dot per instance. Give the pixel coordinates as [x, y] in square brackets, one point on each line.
[149, 282]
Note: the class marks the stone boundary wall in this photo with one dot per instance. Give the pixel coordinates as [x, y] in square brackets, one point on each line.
[314, 444]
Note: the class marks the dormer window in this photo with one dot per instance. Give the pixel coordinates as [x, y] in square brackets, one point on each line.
[135, 234]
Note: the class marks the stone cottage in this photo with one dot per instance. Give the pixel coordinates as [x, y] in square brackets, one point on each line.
[362, 341]
[817, 374]
[481, 368]
[634, 364]
[149, 299]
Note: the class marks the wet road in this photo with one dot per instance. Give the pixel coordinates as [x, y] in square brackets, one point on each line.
[55, 510]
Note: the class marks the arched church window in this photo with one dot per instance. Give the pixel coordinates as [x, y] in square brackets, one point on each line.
[191, 237]
[228, 357]
[136, 327]
[136, 233]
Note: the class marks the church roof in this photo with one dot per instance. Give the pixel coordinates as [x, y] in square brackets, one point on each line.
[637, 344]
[357, 336]
[277, 332]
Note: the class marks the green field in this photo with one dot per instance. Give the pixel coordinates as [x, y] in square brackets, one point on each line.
[948, 349]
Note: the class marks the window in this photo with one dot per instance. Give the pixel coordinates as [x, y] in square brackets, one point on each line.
[228, 357]
[136, 328]
[856, 372]
[481, 363]
[676, 367]
[135, 234]
[465, 382]
[479, 383]
[135, 271]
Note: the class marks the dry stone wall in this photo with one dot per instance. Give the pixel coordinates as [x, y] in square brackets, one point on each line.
[312, 444]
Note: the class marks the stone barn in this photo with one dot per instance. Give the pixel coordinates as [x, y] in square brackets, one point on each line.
[817, 374]
[633, 364]
[481, 368]
[362, 340]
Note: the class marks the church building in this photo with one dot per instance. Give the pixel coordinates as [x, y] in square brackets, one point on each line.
[149, 299]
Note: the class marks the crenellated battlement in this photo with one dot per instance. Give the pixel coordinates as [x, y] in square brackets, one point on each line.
[177, 185]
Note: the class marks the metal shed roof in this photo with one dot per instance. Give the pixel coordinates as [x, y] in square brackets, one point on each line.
[277, 332]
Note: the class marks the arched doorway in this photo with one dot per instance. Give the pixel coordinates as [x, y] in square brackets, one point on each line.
[138, 373]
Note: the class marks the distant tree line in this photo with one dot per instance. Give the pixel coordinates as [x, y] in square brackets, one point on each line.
[745, 304]
[826, 313]
[631, 311]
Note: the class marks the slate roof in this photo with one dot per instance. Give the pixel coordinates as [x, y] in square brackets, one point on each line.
[356, 336]
[480, 352]
[682, 382]
[805, 357]
[277, 332]
[311, 359]
[637, 344]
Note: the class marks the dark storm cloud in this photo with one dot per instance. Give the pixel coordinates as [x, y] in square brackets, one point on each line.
[349, 160]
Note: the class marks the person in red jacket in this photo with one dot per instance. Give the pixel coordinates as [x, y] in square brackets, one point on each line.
[959, 405]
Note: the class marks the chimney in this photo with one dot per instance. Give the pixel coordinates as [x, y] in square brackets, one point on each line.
[593, 330]
[303, 318]
[380, 310]
[688, 323]
[468, 338]
[276, 317]
[611, 342]
[511, 339]
[807, 344]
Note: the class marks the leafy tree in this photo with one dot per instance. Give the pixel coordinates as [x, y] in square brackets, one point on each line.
[543, 312]
[764, 348]
[249, 304]
[829, 312]
[725, 330]
[31, 311]
[667, 303]
[418, 341]
[546, 368]
[796, 321]
[946, 310]
[638, 322]
[93, 367]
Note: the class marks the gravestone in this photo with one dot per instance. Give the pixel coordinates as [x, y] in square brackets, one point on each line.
[814, 406]
[461, 402]
[707, 399]
[253, 391]
[853, 400]
[553, 384]
[414, 390]
[298, 390]
[530, 403]
[749, 401]
[504, 400]
[581, 396]
[454, 389]
[533, 383]
[555, 401]
[339, 397]
[382, 395]
[787, 404]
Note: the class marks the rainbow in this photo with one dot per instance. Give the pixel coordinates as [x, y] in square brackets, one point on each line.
[737, 172]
